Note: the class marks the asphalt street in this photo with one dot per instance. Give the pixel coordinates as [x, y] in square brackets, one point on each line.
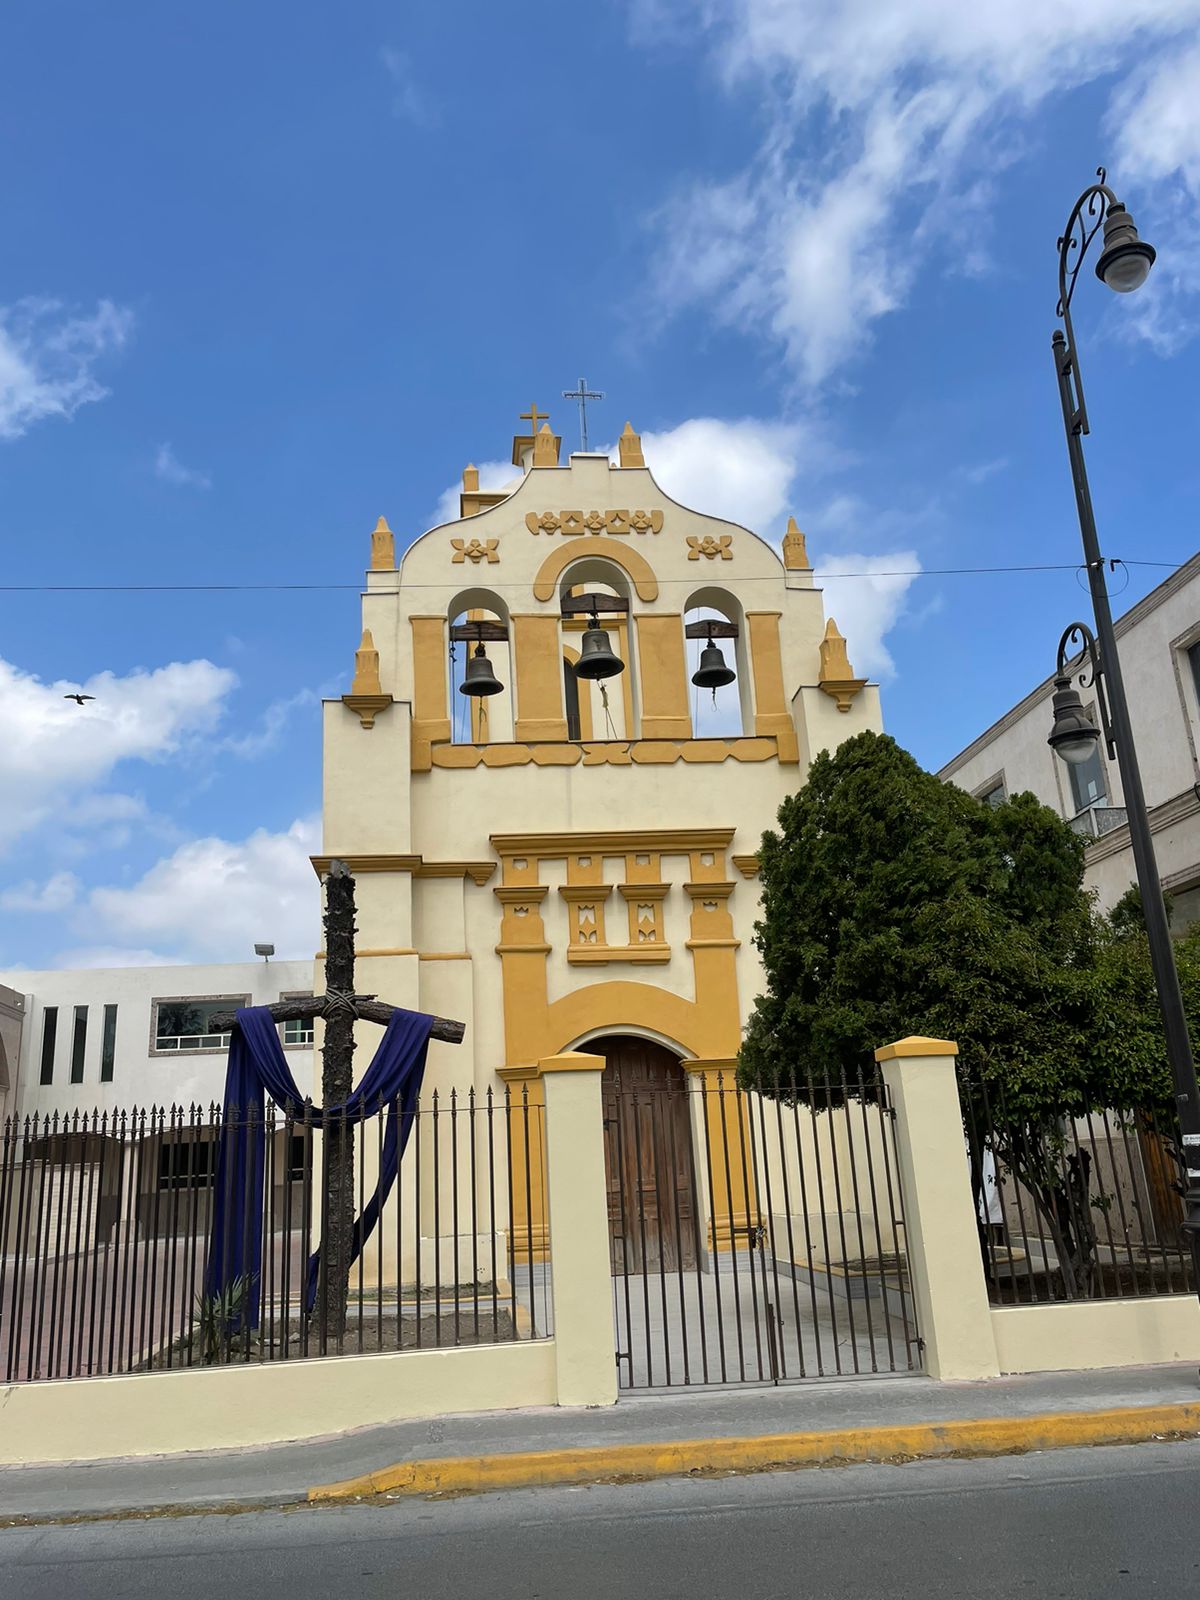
[1074, 1525]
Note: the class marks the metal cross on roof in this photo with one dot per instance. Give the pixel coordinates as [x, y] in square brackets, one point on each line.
[583, 394]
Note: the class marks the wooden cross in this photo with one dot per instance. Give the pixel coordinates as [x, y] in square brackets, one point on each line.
[533, 416]
[340, 1007]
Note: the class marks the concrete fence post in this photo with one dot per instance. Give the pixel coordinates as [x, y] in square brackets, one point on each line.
[941, 1234]
[577, 1199]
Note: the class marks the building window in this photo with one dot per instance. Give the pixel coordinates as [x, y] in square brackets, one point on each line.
[108, 1045]
[186, 1164]
[1087, 782]
[1193, 655]
[78, 1044]
[299, 1158]
[298, 1032]
[183, 1024]
[49, 1036]
[995, 796]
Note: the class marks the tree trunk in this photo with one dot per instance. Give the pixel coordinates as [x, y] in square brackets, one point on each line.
[337, 1081]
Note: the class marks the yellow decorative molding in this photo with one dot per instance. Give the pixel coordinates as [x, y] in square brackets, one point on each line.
[383, 547]
[363, 955]
[546, 447]
[602, 955]
[711, 890]
[771, 714]
[524, 1072]
[478, 871]
[836, 677]
[366, 698]
[366, 667]
[555, 846]
[709, 547]
[644, 902]
[629, 447]
[746, 865]
[475, 552]
[571, 1061]
[443, 955]
[585, 916]
[916, 1047]
[795, 551]
[430, 718]
[571, 524]
[607, 753]
[710, 1067]
[636, 565]
[470, 481]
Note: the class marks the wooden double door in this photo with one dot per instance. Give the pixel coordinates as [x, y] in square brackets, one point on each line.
[648, 1156]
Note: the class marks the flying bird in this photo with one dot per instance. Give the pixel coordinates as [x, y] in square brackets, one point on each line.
[79, 698]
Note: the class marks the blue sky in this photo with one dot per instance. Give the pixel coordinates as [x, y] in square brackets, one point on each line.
[272, 270]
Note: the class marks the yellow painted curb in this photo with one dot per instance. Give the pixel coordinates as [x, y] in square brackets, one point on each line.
[976, 1436]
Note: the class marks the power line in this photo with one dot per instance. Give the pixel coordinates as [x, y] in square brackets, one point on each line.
[357, 588]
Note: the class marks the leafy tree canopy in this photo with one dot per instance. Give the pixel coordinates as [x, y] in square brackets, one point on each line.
[896, 904]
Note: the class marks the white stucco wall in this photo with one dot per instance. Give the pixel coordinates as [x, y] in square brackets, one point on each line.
[1153, 639]
[140, 1077]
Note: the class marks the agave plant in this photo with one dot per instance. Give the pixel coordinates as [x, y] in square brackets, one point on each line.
[218, 1316]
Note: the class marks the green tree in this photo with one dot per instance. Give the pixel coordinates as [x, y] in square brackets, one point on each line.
[896, 904]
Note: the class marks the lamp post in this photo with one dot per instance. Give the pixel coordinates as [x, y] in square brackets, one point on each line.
[1125, 261]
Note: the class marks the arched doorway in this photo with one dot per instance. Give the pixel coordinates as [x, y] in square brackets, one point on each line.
[648, 1158]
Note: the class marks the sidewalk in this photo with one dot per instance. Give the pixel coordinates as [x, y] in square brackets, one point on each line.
[644, 1436]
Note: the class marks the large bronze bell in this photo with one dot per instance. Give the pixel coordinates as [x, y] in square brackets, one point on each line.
[597, 658]
[712, 673]
[479, 679]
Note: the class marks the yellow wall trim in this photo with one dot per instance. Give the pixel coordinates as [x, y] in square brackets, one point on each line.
[915, 1047]
[555, 564]
[444, 955]
[637, 841]
[612, 752]
[479, 871]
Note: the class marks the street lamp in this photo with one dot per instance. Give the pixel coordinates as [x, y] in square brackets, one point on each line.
[1125, 261]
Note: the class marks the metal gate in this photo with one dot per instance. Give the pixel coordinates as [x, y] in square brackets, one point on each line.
[756, 1238]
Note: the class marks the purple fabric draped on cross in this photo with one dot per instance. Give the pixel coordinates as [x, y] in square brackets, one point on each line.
[258, 1066]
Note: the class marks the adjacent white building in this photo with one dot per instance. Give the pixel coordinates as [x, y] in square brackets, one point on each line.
[111, 1037]
[1159, 642]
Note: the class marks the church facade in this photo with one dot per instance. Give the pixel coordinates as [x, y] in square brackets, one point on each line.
[568, 860]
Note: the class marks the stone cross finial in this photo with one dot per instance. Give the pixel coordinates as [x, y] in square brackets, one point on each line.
[545, 448]
[795, 551]
[629, 447]
[383, 547]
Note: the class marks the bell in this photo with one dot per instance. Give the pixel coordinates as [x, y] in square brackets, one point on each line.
[479, 679]
[712, 673]
[597, 658]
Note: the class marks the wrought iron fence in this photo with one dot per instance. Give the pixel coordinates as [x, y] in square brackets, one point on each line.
[1074, 1207]
[107, 1220]
[756, 1237]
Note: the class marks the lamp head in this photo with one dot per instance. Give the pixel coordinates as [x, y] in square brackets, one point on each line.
[1125, 261]
[1074, 734]
[266, 951]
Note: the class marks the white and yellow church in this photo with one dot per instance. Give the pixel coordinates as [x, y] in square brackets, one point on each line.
[566, 860]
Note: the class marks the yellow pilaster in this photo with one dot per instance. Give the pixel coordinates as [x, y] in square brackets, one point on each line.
[663, 669]
[430, 722]
[539, 679]
[771, 716]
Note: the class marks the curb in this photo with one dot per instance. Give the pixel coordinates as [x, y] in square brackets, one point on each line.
[975, 1436]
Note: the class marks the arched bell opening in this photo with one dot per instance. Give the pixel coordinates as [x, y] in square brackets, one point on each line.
[715, 645]
[480, 655]
[595, 604]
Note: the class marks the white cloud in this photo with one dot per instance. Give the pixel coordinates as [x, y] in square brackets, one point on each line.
[212, 900]
[493, 475]
[170, 469]
[48, 358]
[877, 116]
[868, 605]
[275, 719]
[741, 470]
[58, 893]
[53, 751]
[409, 99]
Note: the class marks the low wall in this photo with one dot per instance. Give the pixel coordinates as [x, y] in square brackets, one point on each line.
[1097, 1333]
[222, 1408]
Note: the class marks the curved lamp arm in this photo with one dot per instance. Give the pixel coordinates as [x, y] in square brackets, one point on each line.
[1090, 673]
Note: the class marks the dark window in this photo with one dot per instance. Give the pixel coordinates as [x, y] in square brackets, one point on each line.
[49, 1034]
[1193, 656]
[571, 697]
[297, 1165]
[183, 1024]
[78, 1044]
[1087, 782]
[108, 1044]
[186, 1164]
[995, 796]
